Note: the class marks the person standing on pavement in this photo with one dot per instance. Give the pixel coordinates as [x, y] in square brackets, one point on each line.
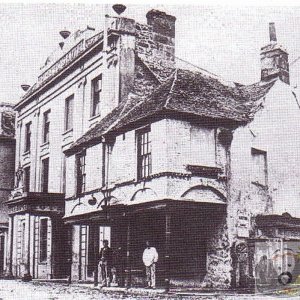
[105, 262]
[150, 258]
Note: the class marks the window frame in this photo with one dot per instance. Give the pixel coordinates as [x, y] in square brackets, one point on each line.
[27, 144]
[144, 153]
[95, 106]
[45, 175]
[43, 240]
[255, 152]
[80, 173]
[46, 126]
[69, 116]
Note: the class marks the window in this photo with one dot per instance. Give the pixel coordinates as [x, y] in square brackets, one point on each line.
[81, 176]
[45, 175]
[43, 239]
[46, 127]
[27, 137]
[259, 167]
[26, 183]
[143, 153]
[69, 113]
[96, 90]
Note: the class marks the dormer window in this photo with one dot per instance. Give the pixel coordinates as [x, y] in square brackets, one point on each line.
[96, 92]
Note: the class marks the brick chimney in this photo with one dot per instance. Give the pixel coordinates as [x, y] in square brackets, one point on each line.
[274, 59]
[155, 42]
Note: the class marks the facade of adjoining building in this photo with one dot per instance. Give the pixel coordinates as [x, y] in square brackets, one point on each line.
[115, 142]
[7, 167]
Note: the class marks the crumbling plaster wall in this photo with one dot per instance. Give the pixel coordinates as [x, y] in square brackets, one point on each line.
[275, 129]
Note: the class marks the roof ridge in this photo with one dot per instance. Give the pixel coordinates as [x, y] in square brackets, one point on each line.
[172, 87]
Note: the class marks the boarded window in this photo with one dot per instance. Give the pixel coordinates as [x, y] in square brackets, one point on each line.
[259, 166]
[143, 153]
[43, 239]
[203, 146]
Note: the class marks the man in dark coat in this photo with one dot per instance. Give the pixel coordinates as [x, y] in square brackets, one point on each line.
[105, 263]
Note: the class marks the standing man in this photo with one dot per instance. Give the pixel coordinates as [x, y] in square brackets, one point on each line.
[105, 262]
[150, 257]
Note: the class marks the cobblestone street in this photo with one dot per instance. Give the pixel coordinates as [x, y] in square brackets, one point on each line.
[15, 290]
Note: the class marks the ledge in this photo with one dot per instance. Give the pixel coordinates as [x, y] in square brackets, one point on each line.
[210, 172]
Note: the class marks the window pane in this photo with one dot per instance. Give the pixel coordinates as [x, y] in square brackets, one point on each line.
[46, 127]
[27, 137]
[96, 90]
[45, 175]
[81, 176]
[26, 179]
[144, 153]
[69, 113]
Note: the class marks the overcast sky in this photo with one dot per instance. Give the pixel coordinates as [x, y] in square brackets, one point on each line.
[223, 40]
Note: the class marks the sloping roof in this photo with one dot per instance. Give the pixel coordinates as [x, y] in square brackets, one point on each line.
[184, 92]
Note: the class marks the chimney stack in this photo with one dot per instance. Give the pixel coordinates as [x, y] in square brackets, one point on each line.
[274, 59]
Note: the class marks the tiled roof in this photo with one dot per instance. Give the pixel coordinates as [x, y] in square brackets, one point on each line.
[184, 92]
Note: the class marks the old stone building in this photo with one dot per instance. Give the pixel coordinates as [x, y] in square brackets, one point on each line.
[116, 142]
[7, 166]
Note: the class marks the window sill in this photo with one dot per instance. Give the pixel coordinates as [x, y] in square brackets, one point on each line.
[68, 131]
[205, 171]
[26, 153]
[263, 186]
[92, 118]
[44, 144]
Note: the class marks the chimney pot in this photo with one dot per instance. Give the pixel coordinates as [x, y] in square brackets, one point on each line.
[25, 87]
[272, 32]
[65, 33]
[119, 8]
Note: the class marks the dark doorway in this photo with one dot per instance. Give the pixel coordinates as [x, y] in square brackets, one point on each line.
[93, 249]
[2, 249]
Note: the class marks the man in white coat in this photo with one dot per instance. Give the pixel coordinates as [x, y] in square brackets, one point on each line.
[150, 258]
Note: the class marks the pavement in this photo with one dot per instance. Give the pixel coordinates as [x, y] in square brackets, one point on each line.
[16, 289]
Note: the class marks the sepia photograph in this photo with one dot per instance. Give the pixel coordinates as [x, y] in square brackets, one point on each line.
[149, 151]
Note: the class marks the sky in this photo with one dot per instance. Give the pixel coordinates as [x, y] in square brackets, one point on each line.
[224, 40]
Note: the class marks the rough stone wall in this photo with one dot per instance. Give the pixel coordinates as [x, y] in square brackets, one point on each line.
[158, 54]
[219, 259]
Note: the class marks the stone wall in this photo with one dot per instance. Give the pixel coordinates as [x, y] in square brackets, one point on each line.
[219, 259]
[157, 53]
